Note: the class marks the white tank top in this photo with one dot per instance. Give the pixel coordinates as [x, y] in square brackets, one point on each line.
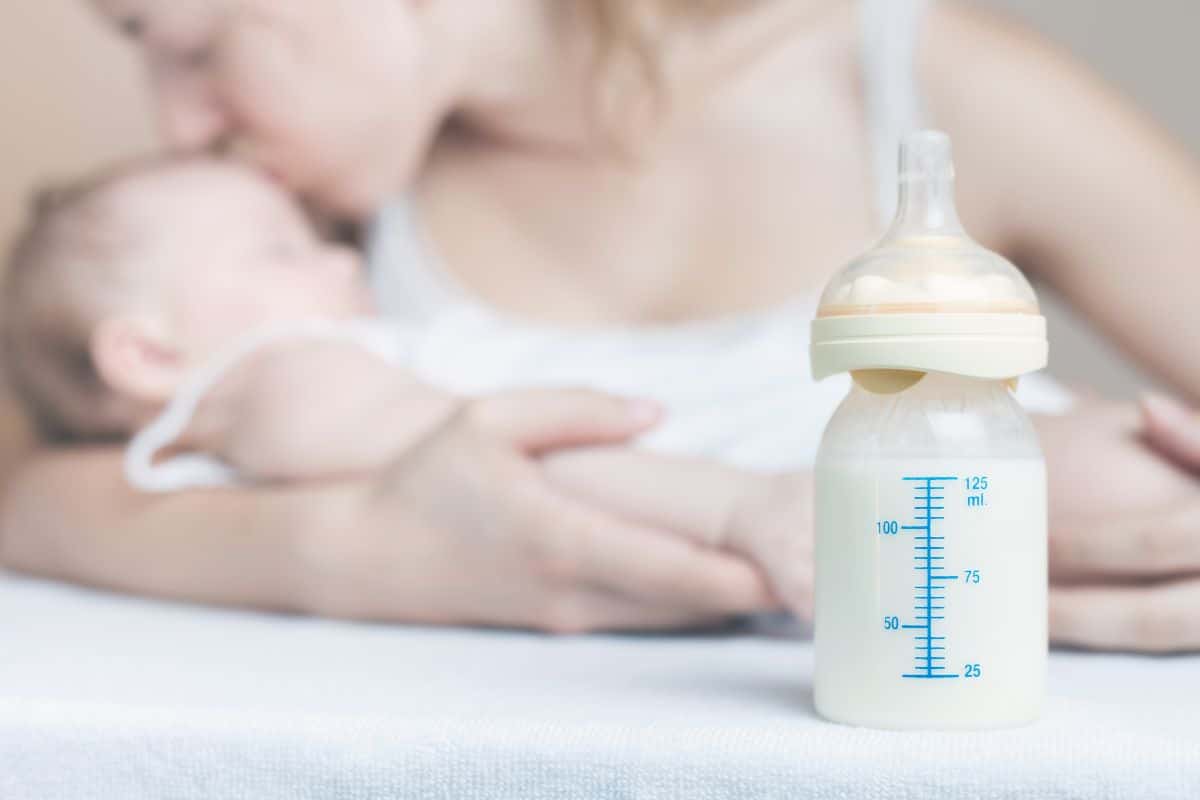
[736, 389]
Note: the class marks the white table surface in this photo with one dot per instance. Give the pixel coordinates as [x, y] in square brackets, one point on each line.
[110, 697]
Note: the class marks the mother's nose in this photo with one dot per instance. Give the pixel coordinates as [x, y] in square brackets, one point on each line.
[190, 115]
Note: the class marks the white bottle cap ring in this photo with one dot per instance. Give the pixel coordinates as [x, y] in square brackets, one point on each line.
[928, 298]
[998, 346]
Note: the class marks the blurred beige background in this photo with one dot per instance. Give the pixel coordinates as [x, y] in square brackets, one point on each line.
[71, 97]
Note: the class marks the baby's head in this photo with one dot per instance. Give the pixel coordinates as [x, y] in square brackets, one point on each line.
[125, 282]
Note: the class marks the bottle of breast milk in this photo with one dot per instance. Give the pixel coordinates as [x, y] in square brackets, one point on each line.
[930, 484]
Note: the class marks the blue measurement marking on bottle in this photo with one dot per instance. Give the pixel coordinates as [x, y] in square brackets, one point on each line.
[929, 599]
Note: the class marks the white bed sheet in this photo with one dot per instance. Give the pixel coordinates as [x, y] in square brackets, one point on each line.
[103, 696]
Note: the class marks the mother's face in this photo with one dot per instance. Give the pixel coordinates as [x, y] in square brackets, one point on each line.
[336, 99]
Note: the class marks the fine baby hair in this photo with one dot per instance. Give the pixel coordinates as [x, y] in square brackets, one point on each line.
[60, 270]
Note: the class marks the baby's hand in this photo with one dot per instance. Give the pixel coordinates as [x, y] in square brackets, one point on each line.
[767, 519]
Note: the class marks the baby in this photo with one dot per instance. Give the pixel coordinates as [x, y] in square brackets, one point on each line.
[191, 303]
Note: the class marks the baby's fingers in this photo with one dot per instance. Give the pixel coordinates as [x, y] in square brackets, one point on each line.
[1163, 618]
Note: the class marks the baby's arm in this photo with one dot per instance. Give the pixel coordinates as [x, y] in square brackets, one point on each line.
[766, 518]
[317, 409]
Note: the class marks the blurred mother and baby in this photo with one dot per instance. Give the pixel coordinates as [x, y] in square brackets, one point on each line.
[567, 387]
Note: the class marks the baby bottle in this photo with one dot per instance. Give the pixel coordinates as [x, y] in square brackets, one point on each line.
[930, 483]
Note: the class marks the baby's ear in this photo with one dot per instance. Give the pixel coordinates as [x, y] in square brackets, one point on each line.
[136, 358]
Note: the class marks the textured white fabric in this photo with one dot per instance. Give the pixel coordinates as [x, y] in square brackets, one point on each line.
[106, 697]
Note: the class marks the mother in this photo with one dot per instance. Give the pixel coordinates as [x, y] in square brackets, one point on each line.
[535, 134]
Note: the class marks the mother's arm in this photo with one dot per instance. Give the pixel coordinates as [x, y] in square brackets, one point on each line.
[70, 515]
[1088, 193]
[460, 529]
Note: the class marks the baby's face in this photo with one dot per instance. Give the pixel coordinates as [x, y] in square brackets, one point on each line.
[221, 251]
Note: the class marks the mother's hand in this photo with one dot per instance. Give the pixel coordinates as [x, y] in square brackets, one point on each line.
[464, 529]
[1125, 527]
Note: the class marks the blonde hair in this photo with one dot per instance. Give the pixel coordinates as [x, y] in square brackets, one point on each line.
[71, 245]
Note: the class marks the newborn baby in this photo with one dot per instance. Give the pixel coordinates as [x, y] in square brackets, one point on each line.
[191, 302]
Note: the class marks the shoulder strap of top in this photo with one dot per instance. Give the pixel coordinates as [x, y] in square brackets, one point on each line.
[890, 38]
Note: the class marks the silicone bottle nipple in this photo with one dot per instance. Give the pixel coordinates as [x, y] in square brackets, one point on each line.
[928, 298]
[926, 263]
[926, 206]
